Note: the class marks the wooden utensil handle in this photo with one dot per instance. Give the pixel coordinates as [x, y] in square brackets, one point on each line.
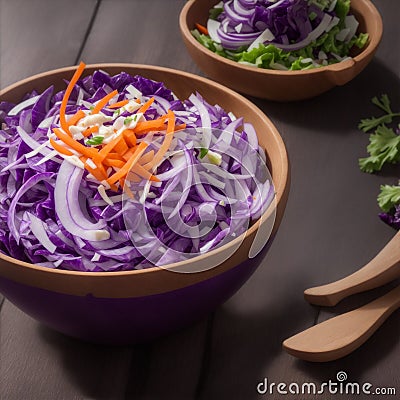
[382, 269]
[339, 336]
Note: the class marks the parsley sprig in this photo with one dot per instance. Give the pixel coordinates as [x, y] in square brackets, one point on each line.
[389, 197]
[384, 143]
[383, 148]
[383, 103]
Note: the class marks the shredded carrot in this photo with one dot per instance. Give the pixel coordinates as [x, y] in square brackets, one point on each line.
[180, 127]
[128, 166]
[119, 104]
[160, 153]
[107, 149]
[67, 93]
[76, 117]
[114, 163]
[129, 191]
[166, 143]
[136, 177]
[122, 159]
[101, 169]
[121, 147]
[61, 149]
[102, 102]
[147, 128]
[144, 173]
[90, 130]
[132, 177]
[146, 106]
[171, 122]
[155, 124]
[202, 29]
[146, 157]
[128, 153]
[96, 172]
[80, 148]
[154, 178]
[130, 137]
[115, 156]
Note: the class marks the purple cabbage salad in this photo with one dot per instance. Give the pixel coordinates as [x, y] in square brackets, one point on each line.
[209, 185]
[282, 34]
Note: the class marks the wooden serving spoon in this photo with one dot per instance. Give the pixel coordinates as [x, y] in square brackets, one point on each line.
[382, 269]
[339, 336]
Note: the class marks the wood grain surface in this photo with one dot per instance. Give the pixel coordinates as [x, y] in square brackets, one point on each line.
[330, 228]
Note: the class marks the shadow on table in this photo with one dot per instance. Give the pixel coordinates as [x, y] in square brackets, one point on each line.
[244, 345]
[96, 371]
[345, 105]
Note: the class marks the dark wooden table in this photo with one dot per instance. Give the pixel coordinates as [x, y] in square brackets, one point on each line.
[330, 227]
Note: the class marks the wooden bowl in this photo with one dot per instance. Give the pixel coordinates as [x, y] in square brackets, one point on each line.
[134, 306]
[279, 85]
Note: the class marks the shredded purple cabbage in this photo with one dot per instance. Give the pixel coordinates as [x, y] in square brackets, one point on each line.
[392, 218]
[192, 195]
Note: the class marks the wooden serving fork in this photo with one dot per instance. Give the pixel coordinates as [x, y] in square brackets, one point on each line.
[382, 269]
[339, 336]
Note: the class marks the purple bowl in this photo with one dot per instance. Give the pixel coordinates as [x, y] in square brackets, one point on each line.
[128, 320]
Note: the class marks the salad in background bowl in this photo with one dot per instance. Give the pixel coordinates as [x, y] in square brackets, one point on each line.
[281, 50]
[97, 294]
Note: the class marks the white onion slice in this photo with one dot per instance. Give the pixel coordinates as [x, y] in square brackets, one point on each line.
[39, 230]
[32, 143]
[314, 35]
[351, 24]
[212, 27]
[266, 36]
[21, 106]
[205, 120]
[68, 208]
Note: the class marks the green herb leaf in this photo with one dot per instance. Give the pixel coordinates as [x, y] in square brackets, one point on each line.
[203, 152]
[368, 124]
[383, 103]
[342, 8]
[389, 197]
[116, 112]
[312, 15]
[128, 120]
[361, 40]
[214, 12]
[95, 141]
[322, 4]
[206, 41]
[384, 147]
